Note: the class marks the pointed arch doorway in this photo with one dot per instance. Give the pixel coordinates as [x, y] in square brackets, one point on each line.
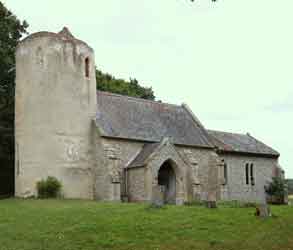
[167, 181]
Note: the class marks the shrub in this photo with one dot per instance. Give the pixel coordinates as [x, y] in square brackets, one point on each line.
[277, 190]
[49, 188]
[289, 183]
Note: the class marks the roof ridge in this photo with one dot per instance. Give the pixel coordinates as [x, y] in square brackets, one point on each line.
[137, 98]
[225, 132]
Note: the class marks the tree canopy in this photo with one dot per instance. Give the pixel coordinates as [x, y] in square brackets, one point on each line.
[11, 30]
[107, 82]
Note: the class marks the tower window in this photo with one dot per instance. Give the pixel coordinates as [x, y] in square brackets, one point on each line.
[87, 67]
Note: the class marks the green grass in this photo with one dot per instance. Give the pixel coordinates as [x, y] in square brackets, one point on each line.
[87, 225]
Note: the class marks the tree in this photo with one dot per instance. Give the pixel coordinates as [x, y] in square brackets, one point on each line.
[11, 30]
[107, 82]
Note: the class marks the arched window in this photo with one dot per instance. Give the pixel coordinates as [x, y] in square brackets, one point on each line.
[247, 173]
[251, 174]
[87, 67]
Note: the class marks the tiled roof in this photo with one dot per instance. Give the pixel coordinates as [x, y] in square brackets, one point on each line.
[143, 155]
[138, 119]
[240, 143]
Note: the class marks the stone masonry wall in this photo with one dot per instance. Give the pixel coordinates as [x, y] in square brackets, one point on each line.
[136, 184]
[200, 161]
[114, 155]
[166, 152]
[119, 153]
[197, 175]
[236, 187]
[55, 105]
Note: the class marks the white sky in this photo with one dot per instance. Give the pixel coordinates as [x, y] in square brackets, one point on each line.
[230, 61]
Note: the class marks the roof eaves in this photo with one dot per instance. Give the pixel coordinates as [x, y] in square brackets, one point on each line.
[273, 150]
[154, 141]
[100, 130]
[223, 151]
[213, 133]
[134, 166]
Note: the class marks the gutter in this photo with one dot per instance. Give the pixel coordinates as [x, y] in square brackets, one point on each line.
[227, 152]
[153, 141]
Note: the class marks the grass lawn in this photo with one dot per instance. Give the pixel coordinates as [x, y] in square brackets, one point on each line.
[88, 225]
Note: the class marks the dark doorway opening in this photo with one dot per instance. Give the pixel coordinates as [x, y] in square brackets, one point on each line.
[6, 178]
[167, 179]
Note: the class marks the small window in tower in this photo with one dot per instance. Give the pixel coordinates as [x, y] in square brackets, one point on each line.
[87, 67]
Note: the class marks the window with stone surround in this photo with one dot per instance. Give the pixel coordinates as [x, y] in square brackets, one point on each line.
[225, 173]
[249, 174]
[87, 67]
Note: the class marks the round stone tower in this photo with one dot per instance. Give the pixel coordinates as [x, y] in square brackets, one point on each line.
[55, 104]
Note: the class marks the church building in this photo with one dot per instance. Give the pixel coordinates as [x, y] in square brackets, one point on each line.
[109, 147]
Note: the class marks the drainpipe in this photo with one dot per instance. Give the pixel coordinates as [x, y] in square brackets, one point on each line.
[125, 183]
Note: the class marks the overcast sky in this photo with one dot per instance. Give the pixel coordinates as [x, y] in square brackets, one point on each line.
[230, 61]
